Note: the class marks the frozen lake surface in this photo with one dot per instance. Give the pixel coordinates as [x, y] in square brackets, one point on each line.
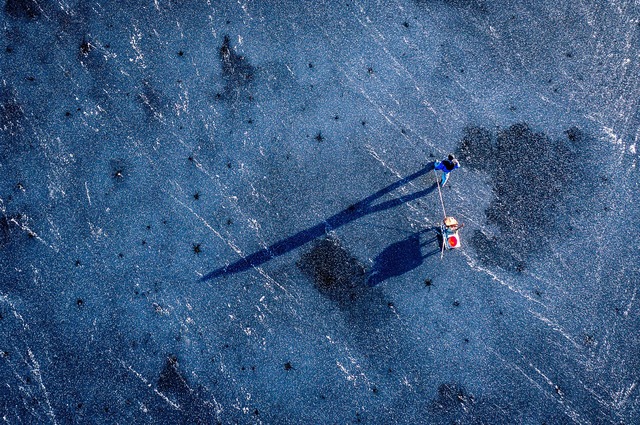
[225, 212]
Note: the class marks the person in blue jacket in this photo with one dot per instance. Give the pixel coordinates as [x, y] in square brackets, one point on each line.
[446, 166]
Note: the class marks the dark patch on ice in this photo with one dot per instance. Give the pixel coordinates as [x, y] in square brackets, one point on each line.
[453, 401]
[5, 232]
[192, 401]
[403, 256]
[152, 102]
[85, 47]
[11, 114]
[492, 253]
[478, 6]
[119, 170]
[336, 274]
[530, 174]
[237, 72]
[22, 9]
[170, 379]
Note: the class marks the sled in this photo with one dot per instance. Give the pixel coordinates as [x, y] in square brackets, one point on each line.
[449, 231]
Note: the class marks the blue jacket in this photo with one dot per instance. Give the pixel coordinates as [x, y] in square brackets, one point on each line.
[446, 166]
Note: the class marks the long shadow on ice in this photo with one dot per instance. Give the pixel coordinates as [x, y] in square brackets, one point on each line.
[403, 256]
[351, 213]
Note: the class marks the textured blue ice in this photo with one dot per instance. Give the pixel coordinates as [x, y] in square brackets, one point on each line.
[225, 212]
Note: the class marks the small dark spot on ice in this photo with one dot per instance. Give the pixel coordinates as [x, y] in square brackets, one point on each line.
[253, 368]
[80, 302]
[403, 131]
[390, 305]
[31, 235]
[218, 95]
[180, 53]
[118, 174]
[466, 340]
[337, 117]
[9, 50]
[462, 70]
[256, 412]
[456, 303]
[67, 114]
[121, 255]
[85, 47]
[250, 121]
[144, 242]
[288, 366]
[77, 263]
[319, 137]
[537, 292]
[196, 196]
[229, 222]
[228, 165]
[405, 24]
[79, 406]
[228, 22]
[25, 9]
[242, 368]
[375, 390]
[4, 354]
[569, 54]
[30, 78]
[196, 248]
[574, 134]
[370, 70]
[363, 122]
[106, 409]
[310, 65]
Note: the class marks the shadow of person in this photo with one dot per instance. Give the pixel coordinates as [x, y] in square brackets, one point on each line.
[403, 256]
[352, 212]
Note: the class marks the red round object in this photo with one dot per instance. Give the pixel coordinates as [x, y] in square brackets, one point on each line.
[453, 241]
